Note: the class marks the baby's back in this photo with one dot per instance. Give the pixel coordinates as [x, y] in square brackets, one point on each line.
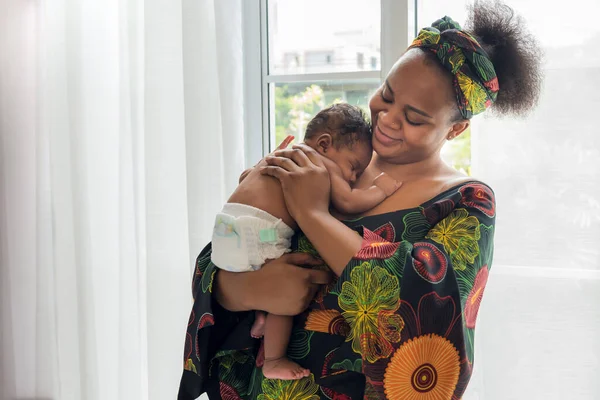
[263, 192]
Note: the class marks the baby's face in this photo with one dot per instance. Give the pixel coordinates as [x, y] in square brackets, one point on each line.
[351, 160]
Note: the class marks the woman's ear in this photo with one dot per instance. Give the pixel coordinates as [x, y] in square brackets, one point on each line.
[458, 128]
[324, 143]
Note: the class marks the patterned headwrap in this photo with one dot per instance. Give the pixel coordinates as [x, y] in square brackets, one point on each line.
[475, 81]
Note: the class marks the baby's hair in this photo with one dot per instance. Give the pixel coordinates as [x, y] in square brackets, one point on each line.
[347, 125]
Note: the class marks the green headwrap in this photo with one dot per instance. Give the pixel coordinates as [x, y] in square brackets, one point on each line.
[475, 81]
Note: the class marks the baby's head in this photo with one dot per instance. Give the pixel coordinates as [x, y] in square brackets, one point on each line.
[342, 133]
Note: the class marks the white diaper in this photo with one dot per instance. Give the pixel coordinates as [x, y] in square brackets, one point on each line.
[245, 237]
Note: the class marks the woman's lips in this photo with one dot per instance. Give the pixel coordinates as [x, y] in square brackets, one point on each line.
[385, 139]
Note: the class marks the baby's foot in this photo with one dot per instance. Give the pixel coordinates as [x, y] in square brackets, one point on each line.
[282, 368]
[258, 328]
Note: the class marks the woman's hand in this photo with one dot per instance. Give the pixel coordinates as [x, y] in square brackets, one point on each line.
[306, 189]
[303, 177]
[280, 287]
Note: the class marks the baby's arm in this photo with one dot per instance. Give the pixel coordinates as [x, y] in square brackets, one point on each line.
[355, 201]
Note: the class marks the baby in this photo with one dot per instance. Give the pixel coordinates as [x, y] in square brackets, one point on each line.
[255, 226]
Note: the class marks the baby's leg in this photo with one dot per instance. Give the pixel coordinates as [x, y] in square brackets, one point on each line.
[258, 328]
[277, 366]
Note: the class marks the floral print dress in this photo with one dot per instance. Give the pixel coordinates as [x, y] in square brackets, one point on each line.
[398, 324]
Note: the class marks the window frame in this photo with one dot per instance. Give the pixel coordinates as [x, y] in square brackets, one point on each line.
[398, 27]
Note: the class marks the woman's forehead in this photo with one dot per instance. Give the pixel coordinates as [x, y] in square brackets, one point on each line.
[417, 79]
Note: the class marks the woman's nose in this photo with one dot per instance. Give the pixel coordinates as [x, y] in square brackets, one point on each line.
[388, 120]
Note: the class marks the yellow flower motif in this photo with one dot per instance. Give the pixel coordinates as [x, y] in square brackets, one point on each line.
[458, 233]
[456, 60]
[302, 389]
[305, 246]
[426, 37]
[370, 291]
[474, 93]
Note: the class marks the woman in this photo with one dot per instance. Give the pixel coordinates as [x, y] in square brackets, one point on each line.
[399, 322]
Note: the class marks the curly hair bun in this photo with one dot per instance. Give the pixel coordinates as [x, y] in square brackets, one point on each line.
[515, 53]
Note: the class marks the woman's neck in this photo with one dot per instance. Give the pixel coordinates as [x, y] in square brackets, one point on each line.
[429, 167]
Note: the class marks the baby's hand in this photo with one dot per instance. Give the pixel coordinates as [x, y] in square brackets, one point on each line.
[386, 183]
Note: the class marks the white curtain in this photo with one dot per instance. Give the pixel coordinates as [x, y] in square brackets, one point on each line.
[121, 136]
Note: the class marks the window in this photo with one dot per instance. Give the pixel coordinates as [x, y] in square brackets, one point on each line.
[331, 38]
[314, 53]
[295, 103]
[327, 34]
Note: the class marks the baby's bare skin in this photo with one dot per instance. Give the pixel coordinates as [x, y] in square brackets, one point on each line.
[264, 192]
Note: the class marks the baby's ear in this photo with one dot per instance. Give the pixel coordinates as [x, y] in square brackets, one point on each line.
[324, 143]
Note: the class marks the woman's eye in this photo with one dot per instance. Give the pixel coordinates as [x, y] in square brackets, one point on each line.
[384, 99]
[411, 122]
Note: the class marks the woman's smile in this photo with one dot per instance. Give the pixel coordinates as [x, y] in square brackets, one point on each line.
[384, 138]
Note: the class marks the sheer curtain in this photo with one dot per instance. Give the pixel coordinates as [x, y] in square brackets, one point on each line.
[538, 334]
[119, 141]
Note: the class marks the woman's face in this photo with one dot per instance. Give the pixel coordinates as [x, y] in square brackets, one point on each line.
[412, 111]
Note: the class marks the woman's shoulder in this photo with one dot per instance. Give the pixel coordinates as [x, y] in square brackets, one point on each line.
[419, 193]
[463, 189]
[462, 198]
[459, 180]
[459, 192]
[462, 186]
[452, 184]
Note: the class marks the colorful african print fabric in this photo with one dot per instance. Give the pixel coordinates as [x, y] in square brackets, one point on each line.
[475, 81]
[398, 324]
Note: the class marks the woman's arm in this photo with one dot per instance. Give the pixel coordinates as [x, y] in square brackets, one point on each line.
[306, 186]
[335, 242]
[280, 287]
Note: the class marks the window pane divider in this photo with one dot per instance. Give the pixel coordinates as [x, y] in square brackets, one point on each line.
[267, 115]
[326, 76]
[395, 31]
[253, 92]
